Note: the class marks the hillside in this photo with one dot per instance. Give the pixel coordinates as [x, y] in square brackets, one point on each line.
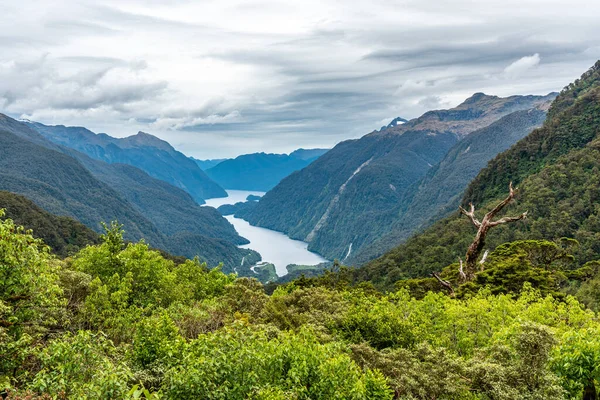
[556, 168]
[354, 193]
[169, 208]
[61, 185]
[144, 151]
[260, 171]
[64, 235]
[68, 183]
[439, 192]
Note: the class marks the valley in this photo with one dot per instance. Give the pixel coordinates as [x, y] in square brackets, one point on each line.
[275, 247]
[299, 200]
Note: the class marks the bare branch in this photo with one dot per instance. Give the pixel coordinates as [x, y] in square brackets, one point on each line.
[444, 283]
[509, 219]
[483, 259]
[461, 271]
[482, 230]
[470, 214]
[503, 203]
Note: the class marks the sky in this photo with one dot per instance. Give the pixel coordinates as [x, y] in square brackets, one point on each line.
[222, 78]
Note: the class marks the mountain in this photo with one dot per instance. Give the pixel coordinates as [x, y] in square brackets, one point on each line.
[439, 192]
[556, 168]
[61, 185]
[66, 182]
[206, 164]
[260, 171]
[354, 193]
[144, 151]
[64, 235]
[395, 122]
[169, 208]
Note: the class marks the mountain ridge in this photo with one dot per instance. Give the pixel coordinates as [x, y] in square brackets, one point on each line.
[400, 157]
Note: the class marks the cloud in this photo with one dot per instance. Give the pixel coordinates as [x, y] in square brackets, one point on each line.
[522, 65]
[220, 78]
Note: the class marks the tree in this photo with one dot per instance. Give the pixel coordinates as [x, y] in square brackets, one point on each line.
[482, 230]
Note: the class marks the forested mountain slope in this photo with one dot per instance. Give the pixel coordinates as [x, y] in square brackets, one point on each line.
[64, 235]
[169, 208]
[68, 183]
[353, 194]
[62, 186]
[557, 168]
[439, 192]
[260, 171]
[144, 151]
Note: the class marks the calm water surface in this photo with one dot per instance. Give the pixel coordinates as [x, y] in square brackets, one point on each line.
[274, 247]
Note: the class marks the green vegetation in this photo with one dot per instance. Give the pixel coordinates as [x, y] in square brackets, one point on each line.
[150, 154]
[67, 183]
[557, 169]
[360, 191]
[64, 235]
[439, 192]
[120, 321]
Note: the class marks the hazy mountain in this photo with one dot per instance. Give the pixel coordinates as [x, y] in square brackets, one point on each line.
[67, 182]
[206, 164]
[354, 193]
[556, 168]
[144, 151]
[61, 185]
[261, 171]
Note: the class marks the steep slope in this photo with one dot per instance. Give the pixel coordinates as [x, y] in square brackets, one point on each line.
[354, 193]
[557, 168]
[260, 171]
[64, 235]
[66, 182]
[144, 151]
[439, 192]
[61, 185]
[170, 209]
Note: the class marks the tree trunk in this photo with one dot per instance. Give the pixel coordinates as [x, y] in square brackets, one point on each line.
[589, 392]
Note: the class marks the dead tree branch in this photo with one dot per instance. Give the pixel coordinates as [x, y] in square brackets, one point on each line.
[483, 228]
[444, 283]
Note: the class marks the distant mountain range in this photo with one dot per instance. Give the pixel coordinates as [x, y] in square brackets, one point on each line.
[66, 182]
[150, 154]
[206, 164]
[359, 191]
[260, 171]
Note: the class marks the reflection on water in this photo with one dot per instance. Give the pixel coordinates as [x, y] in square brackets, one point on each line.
[274, 247]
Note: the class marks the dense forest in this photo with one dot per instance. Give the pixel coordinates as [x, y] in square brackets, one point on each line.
[499, 301]
[119, 320]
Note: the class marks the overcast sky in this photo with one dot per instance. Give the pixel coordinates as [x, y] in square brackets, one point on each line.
[221, 78]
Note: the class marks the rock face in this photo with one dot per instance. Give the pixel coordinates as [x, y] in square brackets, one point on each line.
[150, 154]
[357, 191]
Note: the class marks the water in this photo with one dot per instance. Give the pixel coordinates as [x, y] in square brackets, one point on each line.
[274, 247]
